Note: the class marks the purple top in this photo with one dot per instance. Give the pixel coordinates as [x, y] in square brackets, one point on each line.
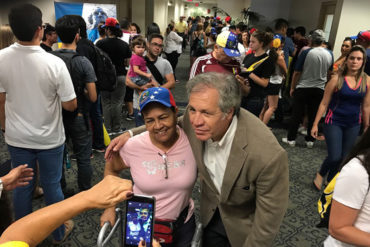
[136, 61]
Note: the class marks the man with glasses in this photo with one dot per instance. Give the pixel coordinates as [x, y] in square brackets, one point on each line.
[34, 87]
[50, 37]
[159, 67]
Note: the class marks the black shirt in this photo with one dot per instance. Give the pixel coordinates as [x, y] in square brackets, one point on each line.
[45, 47]
[86, 48]
[118, 51]
[264, 70]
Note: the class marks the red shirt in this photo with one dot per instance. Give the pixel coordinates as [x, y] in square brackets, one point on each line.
[208, 63]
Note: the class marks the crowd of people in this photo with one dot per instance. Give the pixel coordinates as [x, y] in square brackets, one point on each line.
[239, 77]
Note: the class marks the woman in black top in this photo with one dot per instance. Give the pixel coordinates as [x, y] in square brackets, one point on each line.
[258, 67]
[118, 51]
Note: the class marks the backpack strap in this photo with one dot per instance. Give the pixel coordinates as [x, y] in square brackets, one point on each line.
[155, 72]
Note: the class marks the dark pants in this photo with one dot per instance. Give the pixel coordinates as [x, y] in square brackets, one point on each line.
[183, 36]
[78, 131]
[173, 58]
[183, 235]
[138, 118]
[302, 98]
[214, 234]
[339, 141]
[253, 105]
[97, 123]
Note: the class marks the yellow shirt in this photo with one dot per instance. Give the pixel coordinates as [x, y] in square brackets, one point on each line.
[14, 244]
[181, 26]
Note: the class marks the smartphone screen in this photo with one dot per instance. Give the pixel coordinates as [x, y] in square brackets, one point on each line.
[139, 220]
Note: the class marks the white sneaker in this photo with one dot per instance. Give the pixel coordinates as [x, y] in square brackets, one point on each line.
[290, 143]
[309, 144]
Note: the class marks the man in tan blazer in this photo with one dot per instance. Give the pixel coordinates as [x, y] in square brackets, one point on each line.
[243, 169]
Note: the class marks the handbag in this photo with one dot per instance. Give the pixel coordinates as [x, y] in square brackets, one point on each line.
[164, 229]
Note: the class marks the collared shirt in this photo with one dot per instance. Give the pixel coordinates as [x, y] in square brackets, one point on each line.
[216, 154]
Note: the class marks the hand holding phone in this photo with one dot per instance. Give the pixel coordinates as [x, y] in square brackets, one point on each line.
[139, 220]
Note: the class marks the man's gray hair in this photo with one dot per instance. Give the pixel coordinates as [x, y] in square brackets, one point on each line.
[226, 85]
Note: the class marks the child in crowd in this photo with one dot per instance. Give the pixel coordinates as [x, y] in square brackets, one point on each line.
[138, 71]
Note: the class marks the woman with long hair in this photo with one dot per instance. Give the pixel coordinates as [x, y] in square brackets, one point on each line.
[7, 37]
[347, 44]
[349, 222]
[199, 44]
[172, 46]
[258, 67]
[347, 101]
[275, 82]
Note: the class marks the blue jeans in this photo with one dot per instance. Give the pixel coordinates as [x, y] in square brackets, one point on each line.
[339, 141]
[50, 168]
[97, 123]
[138, 118]
[78, 131]
[253, 105]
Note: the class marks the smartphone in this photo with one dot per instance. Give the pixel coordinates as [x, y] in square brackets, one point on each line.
[139, 220]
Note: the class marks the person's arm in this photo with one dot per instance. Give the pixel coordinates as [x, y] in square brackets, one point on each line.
[113, 167]
[272, 196]
[177, 38]
[142, 73]
[35, 227]
[295, 79]
[281, 63]
[2, 110]
[70, 105]
[341, 225]
[329, 90]
[366, 107]
[91, 91]
[244, 85]
[259, 80]
[170, 78]
[17, 177]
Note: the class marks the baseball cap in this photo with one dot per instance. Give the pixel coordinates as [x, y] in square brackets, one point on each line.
[111, 22]
[228, 18]
[157, 94]
[318, 35]
[363, 35]
[229, 42]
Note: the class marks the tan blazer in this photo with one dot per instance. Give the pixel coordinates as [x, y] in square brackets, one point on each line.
[254, 193]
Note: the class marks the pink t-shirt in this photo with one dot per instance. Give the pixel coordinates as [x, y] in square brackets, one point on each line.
[148, 172]
[137, 61]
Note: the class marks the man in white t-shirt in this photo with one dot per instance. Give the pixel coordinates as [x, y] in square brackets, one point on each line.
[34, 86]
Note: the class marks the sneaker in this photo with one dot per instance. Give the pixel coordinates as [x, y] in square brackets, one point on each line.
[309, 144]
[99, 150]
[285, 140]
[118, 132]
[302, 130]
[130, 117]
[69, 224]
[73, 157]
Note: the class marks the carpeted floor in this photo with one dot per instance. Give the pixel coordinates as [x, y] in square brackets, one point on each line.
[298, 227]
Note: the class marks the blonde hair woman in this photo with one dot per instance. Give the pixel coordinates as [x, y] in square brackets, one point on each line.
[6, 36]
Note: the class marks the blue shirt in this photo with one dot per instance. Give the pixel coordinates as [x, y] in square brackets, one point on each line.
[288, 50]
[367, 65]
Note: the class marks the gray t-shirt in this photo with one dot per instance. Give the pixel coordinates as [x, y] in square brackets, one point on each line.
[164, 67]
[314, 63]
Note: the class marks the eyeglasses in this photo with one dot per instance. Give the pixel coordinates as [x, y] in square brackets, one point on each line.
[157, 45]
[164, 157]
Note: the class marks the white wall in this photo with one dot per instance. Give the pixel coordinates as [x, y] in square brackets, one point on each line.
[138, 14]
[48, 12]
[234, 7]
[202, 9]
[354, 17]
[160, 14]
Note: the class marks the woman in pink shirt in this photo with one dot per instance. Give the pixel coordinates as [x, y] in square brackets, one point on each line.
[161, 164]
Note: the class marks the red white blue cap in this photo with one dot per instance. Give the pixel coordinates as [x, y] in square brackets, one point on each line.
[363, 35]
[157, 94]
[229, 41]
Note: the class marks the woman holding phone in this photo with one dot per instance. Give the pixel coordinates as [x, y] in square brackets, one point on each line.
[162, 165]
[347, 101]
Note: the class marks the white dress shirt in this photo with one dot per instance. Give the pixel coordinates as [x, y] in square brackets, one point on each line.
[216, 154]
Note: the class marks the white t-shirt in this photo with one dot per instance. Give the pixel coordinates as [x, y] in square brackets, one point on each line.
[352, 190]
[35, 82]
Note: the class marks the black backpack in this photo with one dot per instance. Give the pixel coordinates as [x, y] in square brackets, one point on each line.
[78, 86]
[105, 71]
